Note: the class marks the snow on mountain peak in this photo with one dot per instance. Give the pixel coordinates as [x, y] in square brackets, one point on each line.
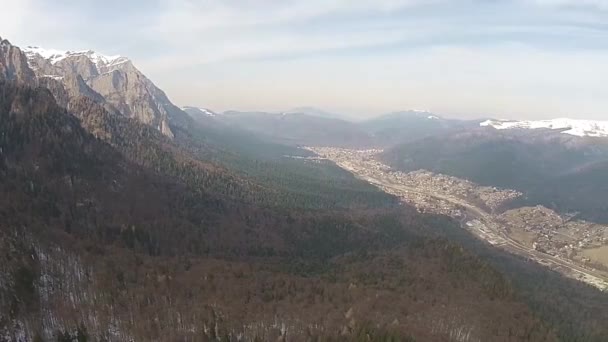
[55, 56]
[52, 55]
[202, 110]
[102, 59]
[207, 111]
[579, 128]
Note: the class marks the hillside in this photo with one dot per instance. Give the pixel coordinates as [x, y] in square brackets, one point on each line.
[401, 127]
[311, 127]
[557, 170]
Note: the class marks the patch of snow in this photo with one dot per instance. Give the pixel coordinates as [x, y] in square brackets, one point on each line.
[203, 110]
[52, 55]
[55, 56]
[422, 113]
[581, 128]
[55, 77]
[207, 112]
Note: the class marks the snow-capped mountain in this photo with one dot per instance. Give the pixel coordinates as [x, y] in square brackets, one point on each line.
[581, 128]
[114, 78]
[56, 56]
[199, 110]
[316, 112]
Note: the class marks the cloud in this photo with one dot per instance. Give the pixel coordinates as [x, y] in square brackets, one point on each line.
[228, 30]
[213, 14]
[183, 20]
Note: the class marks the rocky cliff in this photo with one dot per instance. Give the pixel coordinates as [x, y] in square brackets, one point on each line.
[110, 80]
[13, 65]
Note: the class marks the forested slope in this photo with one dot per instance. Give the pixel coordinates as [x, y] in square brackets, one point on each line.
[559, 171]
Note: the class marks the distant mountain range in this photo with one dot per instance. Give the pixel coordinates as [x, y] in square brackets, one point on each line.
[313, 111]
[406, 126]
[314, 127]
[193, 111]
[298, 128]
[117, 84]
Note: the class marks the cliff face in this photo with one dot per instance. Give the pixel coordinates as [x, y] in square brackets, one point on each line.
[13, 65]
[134, 95]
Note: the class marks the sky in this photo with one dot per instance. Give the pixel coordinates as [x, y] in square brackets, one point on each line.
[513, 59]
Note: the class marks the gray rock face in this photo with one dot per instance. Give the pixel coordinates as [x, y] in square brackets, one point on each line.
[109, 80]
[73, 87]
[14, 66]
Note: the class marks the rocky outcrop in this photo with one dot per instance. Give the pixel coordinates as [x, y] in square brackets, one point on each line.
[134, 95]
[13, 65]
[112, 81]
[72, 86]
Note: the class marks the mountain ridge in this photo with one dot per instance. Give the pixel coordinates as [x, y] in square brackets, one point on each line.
[115, 78]
[549, 167]
[199, 111]
[55, 56]
[298, 128]
[578, 127]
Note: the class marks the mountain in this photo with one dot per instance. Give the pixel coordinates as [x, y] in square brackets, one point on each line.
[299, 129]
[114, 78]
[581, 190]
[550, 168]
[581, 128]
[205, 117]
[400, 127]
[313, 111]
[197, 112]
[312, 127]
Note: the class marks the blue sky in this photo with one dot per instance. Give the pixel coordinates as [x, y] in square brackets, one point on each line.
[464, 58]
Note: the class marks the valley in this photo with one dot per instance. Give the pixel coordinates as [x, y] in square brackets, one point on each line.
[476, 207]
[125, 217]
